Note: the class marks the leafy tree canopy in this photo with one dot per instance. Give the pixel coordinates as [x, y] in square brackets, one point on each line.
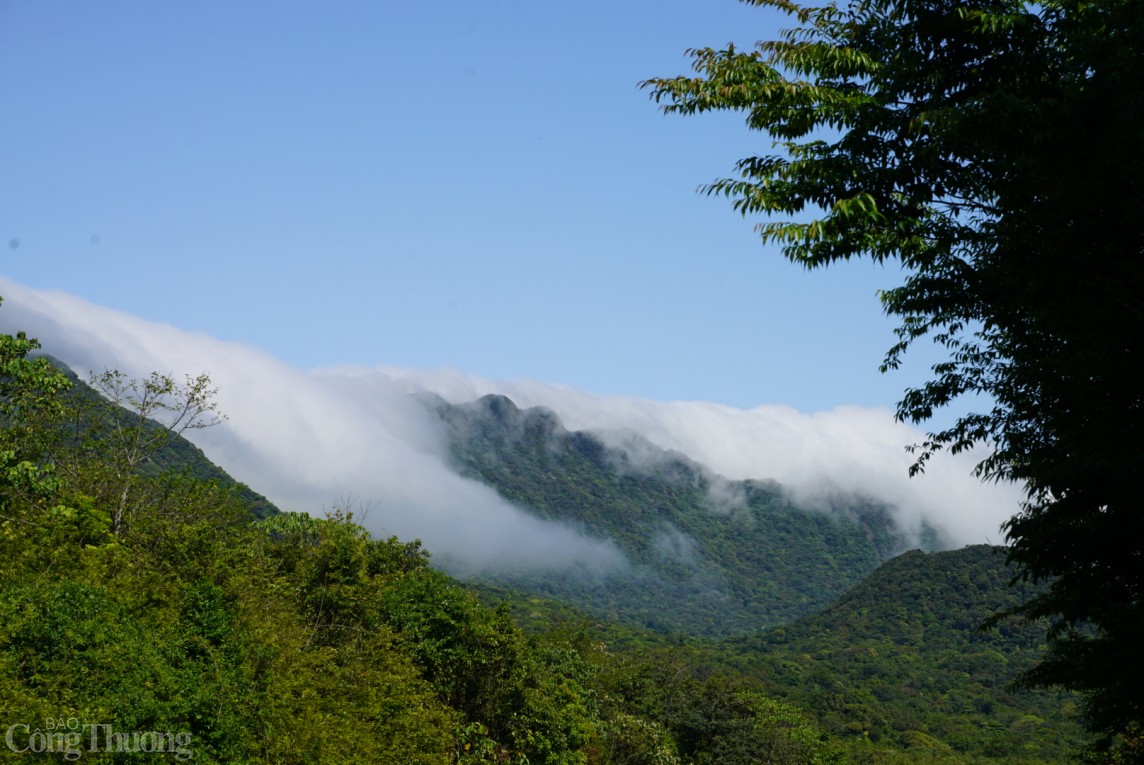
[994, 148]
[155, 606]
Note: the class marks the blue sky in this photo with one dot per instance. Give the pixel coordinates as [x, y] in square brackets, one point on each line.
[473, 185]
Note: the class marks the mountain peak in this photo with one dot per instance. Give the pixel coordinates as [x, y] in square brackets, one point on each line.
[709, 555]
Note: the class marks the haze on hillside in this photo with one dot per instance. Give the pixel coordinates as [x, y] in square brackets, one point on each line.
[311, 439]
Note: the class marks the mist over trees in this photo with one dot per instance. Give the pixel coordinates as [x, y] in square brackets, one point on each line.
[994, 149]
[197, 621]
[306, 437]
[177, 624]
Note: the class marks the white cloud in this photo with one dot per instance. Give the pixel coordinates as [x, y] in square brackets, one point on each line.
[846, 449]
[308, 438]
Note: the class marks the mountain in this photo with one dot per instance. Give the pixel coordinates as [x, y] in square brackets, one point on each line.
[900, 661]
[175, 455]
[163, 621]
[710, 557]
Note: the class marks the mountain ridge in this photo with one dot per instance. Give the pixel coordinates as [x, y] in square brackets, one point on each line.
[710, 556]
[176, 454]
[902, 660]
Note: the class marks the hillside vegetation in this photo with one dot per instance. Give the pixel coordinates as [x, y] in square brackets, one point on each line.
[154, 608]
[92, 416]
[902, 661]
[898, 670]
[711, 557]
[146, 612]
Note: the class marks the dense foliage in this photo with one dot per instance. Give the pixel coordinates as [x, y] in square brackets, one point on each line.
[994, 148]
[897, 669]
[148, 614]
[710, 556]
[193, 628]
[91, 419]
[899, 663]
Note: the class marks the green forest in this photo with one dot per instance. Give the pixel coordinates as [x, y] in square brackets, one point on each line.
[711, 557]
[153, 608]
[990, 153]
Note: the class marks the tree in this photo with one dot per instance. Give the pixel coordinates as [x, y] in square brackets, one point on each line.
[994, 148]
[109, 439]
[29, 389]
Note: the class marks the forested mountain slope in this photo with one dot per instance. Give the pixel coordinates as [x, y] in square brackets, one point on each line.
[174, 453]
[243, 638]
[152, 616]
[710, 556]
[900, 660]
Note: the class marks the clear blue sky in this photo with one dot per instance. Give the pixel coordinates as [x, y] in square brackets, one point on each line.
[478, 185]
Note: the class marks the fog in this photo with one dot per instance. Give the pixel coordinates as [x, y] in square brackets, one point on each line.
[817, 456]
[308, 439]
[309, 442]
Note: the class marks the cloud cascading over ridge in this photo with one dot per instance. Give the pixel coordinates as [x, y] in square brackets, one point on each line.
[845, 450]
[309, 438]
[308, 442]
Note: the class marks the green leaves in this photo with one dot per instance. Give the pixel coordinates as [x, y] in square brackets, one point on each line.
[699, 572]
[993, 148]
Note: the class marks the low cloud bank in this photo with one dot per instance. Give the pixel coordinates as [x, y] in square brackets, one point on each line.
[844, 451]
[308, 439]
